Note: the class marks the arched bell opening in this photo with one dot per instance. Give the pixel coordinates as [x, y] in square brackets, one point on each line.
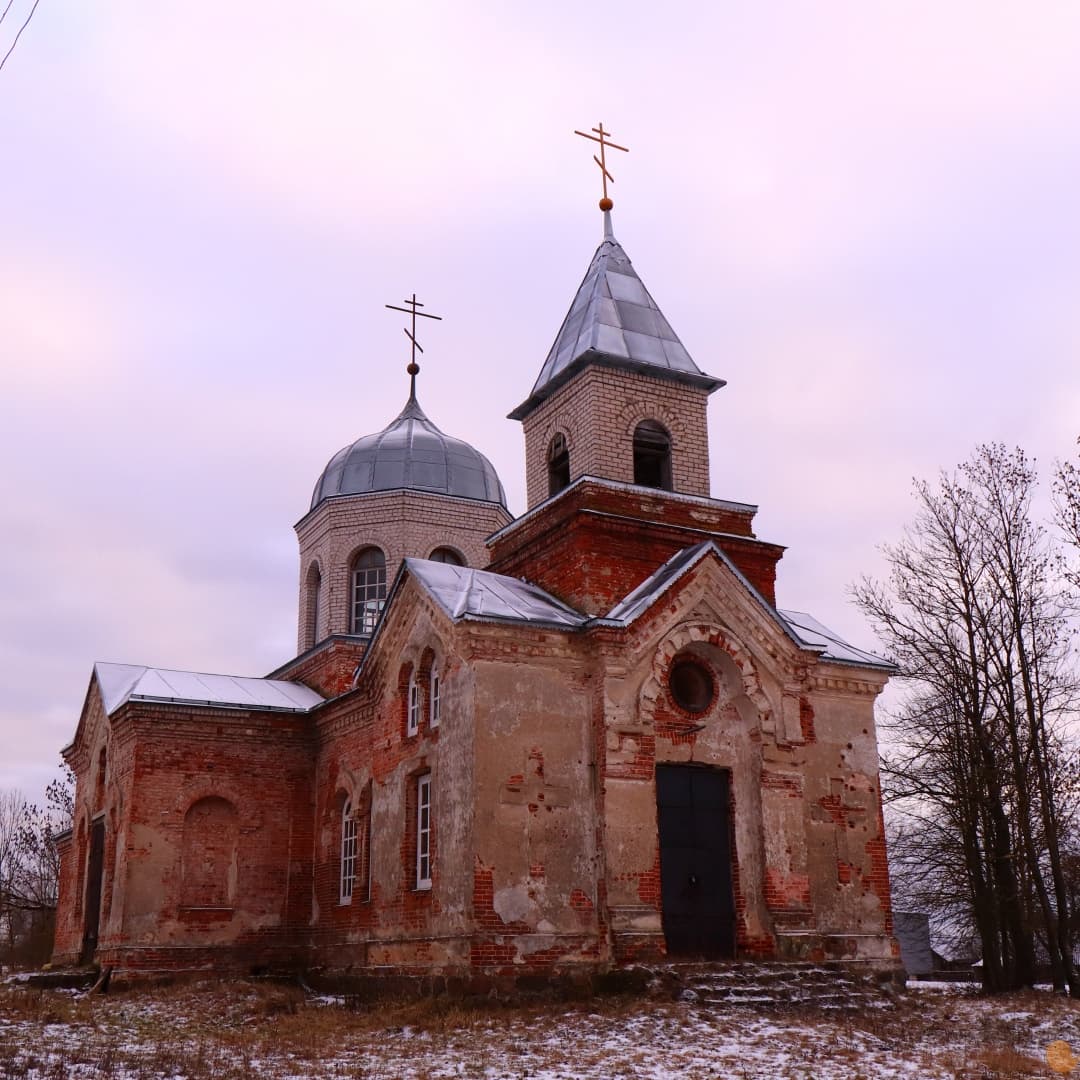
[652, 455]
[558, 464]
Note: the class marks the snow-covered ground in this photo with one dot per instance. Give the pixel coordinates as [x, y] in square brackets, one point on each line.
[229, 1031]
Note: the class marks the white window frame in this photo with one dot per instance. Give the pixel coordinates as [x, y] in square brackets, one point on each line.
[367, 593]
[435, 695]
[423, 831]
[349, 851]
[412, 721]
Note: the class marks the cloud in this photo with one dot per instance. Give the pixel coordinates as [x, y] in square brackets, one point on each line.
[862, 217]
[59, 333]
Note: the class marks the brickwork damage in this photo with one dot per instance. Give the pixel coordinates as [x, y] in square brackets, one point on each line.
[476, 796]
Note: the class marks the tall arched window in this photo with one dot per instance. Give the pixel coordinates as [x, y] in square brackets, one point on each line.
[434, 696]
[348, 852]
[446, 555]
[412, 723]
[314, 603]
[558, 463]
[368, 590]
[652, 455]
[423, 832]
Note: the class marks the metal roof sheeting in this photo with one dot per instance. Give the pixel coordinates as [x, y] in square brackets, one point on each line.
[635, 602]
[614, 320]
[803, 629]
[120, 683]
[817, 636]
[482, 595]
[464, 593]
[410, 453]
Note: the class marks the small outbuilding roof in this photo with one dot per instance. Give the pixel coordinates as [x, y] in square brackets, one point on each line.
[120, 683]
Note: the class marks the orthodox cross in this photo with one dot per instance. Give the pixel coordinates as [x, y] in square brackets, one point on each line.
[413, 368]
[601, 137]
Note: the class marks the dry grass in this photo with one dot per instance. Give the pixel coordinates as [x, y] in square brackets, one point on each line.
[233, 1030]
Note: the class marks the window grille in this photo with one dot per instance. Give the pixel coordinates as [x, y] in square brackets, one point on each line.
[368, 590]
[423, 832]
[413, 724]
[348, 852]
[436, 692]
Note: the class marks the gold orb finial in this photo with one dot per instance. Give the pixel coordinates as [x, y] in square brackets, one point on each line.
[413, 368]
[606, 204]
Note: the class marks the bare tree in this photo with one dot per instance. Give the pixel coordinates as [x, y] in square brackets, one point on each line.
[974, 614]
[30, 867]
[1027, 641]
[11, 813]
[1067, 505]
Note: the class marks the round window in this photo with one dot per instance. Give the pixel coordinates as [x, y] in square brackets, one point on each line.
[691, 686]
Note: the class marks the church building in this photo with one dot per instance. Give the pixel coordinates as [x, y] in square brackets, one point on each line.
[541, 746]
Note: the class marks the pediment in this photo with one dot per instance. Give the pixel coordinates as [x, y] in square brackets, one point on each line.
[91, 719]
[710, 591]
[410, 618]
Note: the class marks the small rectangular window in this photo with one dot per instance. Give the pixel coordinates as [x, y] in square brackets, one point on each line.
[436, 705]
[423, 832]
[413, 723]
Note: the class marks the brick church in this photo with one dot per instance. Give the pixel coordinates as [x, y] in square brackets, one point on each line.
[546, 745]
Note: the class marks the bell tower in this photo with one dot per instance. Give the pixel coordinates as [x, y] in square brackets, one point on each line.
[618, 397]
[617, 448]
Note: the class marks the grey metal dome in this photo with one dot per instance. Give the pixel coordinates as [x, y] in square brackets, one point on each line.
[410, 453]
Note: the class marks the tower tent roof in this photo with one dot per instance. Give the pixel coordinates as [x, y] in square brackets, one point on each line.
[614, 322]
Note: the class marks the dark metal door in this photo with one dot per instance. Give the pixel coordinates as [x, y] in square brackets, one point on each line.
[95, 866]
[692, 811]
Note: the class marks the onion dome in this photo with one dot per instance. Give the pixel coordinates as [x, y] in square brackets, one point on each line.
[411, 453]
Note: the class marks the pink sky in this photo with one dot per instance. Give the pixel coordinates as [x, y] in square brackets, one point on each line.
[863, 216]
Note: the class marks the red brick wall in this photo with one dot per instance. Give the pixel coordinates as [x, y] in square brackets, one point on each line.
[364, 745]
[216, 835]
[596, 544]
[328, 669]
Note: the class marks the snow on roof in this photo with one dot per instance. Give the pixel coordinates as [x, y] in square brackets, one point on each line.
[636, 601]
[614, 321]
[481, 595]
[120, 683]
[802, 628]
[817, 636]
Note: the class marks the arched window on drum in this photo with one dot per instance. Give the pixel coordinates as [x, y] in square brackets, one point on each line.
[368, 590]
[447, 555]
